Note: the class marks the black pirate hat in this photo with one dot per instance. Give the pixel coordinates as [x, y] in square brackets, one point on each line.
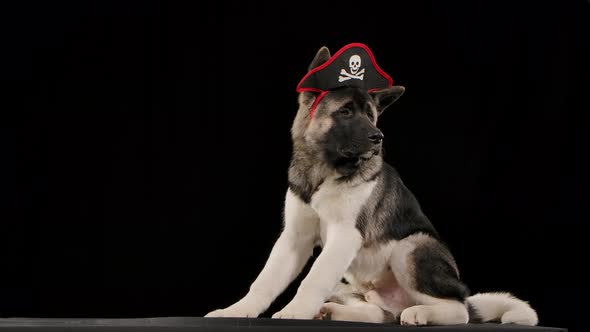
[352, 66]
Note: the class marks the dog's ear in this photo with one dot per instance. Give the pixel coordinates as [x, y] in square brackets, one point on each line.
[321, 56]
[384, 98]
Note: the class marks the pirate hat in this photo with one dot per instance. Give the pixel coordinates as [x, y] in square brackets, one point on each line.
[352, 66]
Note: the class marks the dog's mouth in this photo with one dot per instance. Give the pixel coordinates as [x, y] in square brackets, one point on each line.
[359, 156]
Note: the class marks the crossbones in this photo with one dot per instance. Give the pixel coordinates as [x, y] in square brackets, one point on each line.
[347, 76]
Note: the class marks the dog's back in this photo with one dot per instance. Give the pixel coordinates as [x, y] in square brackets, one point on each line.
[392, 212]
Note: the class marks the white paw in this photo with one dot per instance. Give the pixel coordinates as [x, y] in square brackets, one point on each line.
[416, 315]
[295, 312]
[233, 312]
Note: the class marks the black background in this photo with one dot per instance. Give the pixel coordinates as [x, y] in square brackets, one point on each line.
[145, 145]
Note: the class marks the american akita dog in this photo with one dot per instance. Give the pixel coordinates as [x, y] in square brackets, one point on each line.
[381, 259]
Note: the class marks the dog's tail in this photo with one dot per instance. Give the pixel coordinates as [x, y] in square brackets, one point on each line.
[503, 307]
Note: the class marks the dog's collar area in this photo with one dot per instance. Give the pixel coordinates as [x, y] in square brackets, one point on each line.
[352, 66]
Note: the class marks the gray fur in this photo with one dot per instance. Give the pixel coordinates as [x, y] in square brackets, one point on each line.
[392, 211]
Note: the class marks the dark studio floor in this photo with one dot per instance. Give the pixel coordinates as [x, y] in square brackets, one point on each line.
[173, 324]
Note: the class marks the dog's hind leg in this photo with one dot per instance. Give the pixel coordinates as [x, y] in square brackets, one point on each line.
[428, 273]
[348, 305]
[358, 312]
[438, 312]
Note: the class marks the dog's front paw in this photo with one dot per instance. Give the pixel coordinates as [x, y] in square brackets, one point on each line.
[233, 312]
[249, 306]
[295, 312]
[416, 315]
[216, 313]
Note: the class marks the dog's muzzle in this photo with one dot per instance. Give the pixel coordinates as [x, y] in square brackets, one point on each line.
[352, 153]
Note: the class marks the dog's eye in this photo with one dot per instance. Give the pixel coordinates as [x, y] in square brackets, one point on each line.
[370, 115]
[344, 112]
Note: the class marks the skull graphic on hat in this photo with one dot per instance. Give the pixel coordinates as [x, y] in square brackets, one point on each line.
[354, 63]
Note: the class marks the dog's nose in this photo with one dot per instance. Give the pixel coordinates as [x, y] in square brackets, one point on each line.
[376, 137]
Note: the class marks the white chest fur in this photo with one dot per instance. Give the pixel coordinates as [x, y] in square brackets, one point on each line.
[340, 202]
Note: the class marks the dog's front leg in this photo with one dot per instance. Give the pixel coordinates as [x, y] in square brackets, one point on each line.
[342, 244]
[287, 258]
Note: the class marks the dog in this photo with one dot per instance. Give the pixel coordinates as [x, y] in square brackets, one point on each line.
[381, 260]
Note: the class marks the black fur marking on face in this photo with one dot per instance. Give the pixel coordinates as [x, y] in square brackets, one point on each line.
[436, 274]
[347, 141]
[361, 98]
[349, 105]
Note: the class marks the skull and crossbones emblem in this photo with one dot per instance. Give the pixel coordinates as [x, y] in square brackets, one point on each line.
[355, 70]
